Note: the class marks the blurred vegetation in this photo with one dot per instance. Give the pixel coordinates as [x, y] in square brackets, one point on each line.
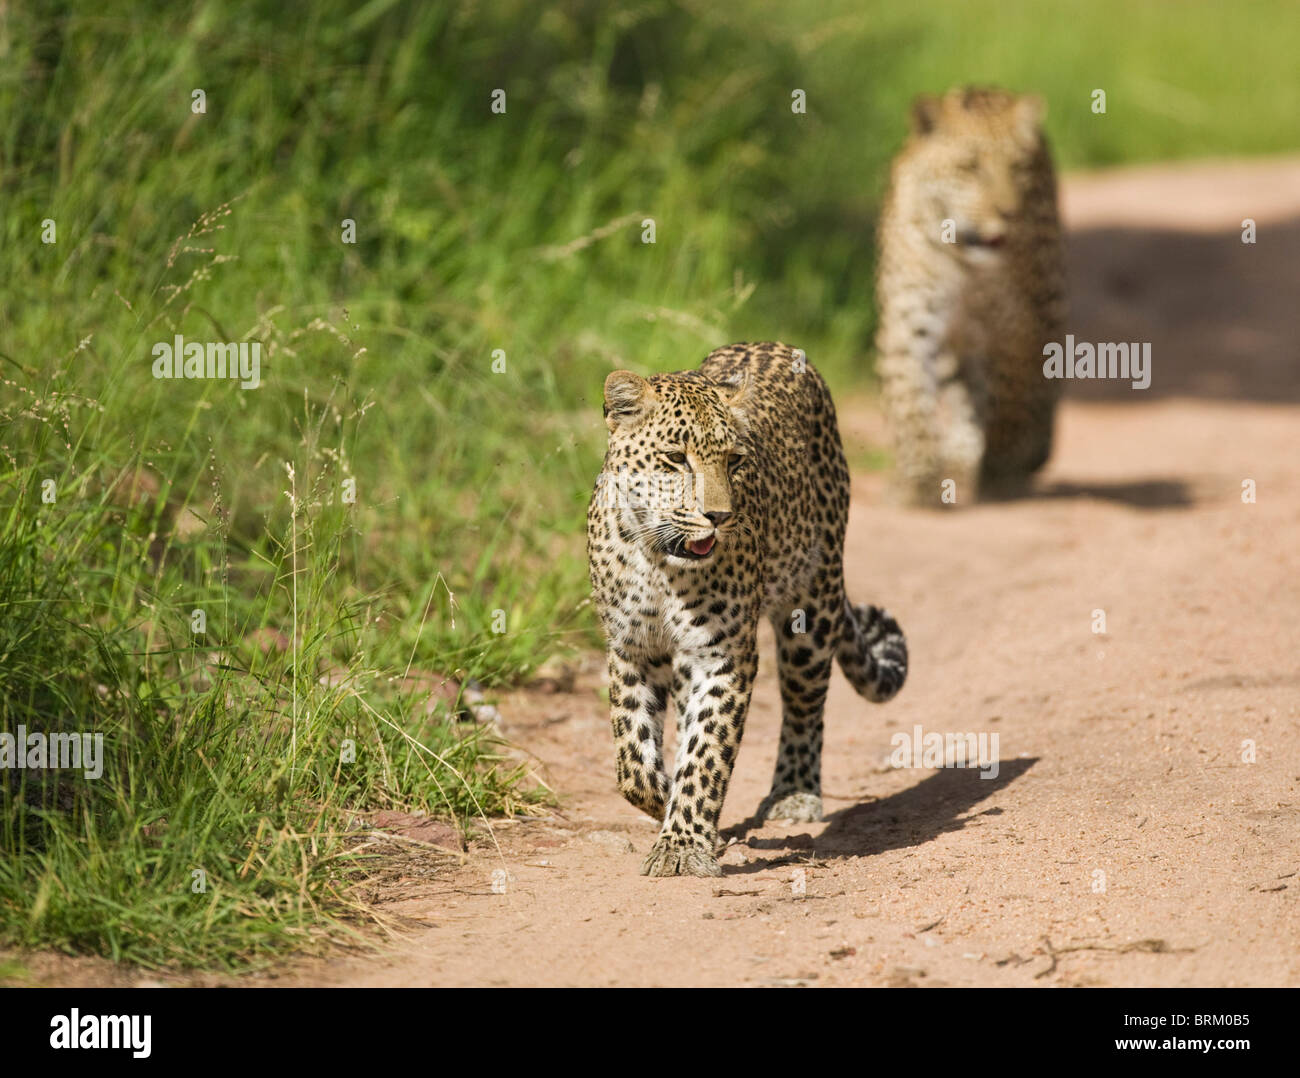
[479, 235]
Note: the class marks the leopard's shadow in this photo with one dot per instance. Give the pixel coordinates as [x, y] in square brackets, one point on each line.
[1142, 494]
[936, 805]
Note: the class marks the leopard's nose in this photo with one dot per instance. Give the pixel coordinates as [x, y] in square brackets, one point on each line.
[718, 517]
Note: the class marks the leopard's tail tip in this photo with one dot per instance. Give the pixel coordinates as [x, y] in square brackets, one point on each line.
[872, 652]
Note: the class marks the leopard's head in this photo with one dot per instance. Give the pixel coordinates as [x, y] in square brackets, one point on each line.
[969, 163]
[677, 448]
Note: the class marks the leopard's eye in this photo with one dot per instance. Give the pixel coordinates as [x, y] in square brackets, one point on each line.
[675, 458]
[735, 460]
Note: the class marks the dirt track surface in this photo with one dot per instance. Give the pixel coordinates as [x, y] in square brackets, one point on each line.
[1126, 840]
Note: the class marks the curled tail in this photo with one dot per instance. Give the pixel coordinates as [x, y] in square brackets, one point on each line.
[872, 652]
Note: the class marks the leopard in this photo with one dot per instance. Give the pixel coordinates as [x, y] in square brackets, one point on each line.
[970, 287]
[722, 500]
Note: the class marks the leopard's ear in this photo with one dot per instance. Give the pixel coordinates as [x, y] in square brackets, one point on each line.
[628, 399]
[925, 113]
[737, 393]
[1030, 112]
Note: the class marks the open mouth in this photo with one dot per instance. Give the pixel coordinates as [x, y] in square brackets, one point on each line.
[696, 548]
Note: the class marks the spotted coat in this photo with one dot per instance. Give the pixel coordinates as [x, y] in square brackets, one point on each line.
[723, 499]
[970, 286]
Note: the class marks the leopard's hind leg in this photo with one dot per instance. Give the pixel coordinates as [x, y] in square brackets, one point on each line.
[807, 635]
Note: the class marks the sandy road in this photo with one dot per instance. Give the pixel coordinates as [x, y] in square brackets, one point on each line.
[1127, 839]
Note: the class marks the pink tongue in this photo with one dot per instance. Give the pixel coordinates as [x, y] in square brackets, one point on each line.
[700, 546]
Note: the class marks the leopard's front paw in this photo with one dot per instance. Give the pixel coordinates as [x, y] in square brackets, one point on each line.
[801, 807]
[673, 857]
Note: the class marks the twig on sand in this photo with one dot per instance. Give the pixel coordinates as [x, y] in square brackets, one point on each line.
[1146, 946]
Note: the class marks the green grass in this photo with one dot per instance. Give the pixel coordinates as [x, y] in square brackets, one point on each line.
[231, 765]
[478, 235]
